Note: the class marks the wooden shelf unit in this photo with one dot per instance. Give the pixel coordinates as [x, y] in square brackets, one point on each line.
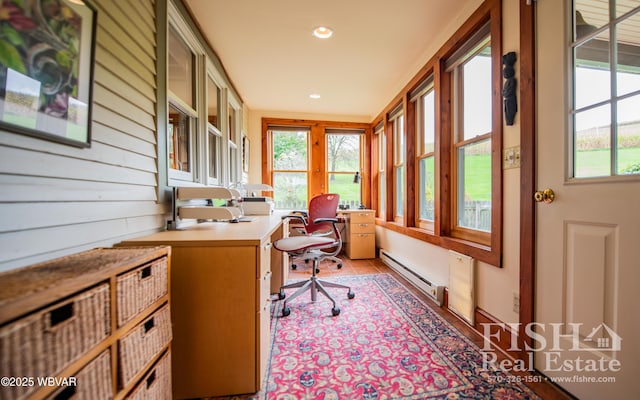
[222, 279]
[64, 318]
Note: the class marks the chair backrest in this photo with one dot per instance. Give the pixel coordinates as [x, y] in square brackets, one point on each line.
[322, 206]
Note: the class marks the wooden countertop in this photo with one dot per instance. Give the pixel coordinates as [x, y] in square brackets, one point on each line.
[216, 233]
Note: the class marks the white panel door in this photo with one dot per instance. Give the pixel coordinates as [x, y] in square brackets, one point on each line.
[587, 244]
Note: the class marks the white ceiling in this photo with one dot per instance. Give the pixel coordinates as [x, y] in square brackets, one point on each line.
[274, 62]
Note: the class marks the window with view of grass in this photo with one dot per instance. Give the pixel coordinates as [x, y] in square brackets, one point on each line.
[443, 178]
[290, 165]
[606, 98]
[343, 163]
[424, 98]
[470, 71]
[399, 155]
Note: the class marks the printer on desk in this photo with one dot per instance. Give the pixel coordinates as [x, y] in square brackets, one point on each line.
[256, 205]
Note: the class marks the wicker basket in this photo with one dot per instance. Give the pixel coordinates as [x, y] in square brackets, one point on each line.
[156, 385]
[139, 288]
[92, 382]
[45, 342]
[143, 343]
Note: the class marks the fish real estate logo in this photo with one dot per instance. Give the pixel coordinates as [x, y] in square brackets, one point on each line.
[554, 339]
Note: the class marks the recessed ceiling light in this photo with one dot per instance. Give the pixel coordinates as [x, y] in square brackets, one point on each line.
[323, 32]
[314, 96]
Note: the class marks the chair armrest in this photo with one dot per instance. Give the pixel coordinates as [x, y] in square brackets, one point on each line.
[298, 217]
[318, 220]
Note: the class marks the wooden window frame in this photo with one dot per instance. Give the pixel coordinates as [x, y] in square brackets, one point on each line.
[361, 152]
[316, 181]
[488, 251]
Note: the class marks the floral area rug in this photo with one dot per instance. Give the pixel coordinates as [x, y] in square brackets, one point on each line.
[385, 344]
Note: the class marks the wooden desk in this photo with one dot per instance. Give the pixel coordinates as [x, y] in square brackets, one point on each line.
[221, 280]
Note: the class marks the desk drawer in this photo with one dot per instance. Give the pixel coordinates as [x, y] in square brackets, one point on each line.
[367, 217]
[361, 245]
[362, 228]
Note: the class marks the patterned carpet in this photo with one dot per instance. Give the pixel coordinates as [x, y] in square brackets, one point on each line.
[385, 344]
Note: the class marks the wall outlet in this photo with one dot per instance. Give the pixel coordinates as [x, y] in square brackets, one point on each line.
[511, 157]
[516, 303]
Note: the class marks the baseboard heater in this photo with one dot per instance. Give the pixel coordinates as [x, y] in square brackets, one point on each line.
[435, 292]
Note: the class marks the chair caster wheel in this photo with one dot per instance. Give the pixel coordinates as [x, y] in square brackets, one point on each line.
[351, 295]
[293, 267]
[286, 311]
[281, 295]
[334, 311]
[339, 265]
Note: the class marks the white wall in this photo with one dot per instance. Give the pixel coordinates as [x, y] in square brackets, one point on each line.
[57, 199]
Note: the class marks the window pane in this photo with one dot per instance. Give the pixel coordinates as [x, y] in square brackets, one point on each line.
[290, 190]
[590, 16]
[592, 79]
[429, 123]
[344, 185]
[476, 106]
[179, 140]
[343, 153]
[399, 142]
[214, 156]
[593, 142]
[213, 102]
[233, 165]
[427, 188]
[474, 186]
[628, 51]
[629, 136]
[290, 150]
[382, 165]
[624, 6]
[399, 191]
[180, 68]
[382, 196]
[233, 129]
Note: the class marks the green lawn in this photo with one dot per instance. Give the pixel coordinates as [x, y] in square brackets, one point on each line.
[596, 162]
[589, 162]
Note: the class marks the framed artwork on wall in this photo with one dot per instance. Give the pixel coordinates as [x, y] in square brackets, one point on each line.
[46, 69]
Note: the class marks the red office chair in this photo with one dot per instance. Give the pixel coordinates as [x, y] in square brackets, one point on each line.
[311, 247]
[321, 206]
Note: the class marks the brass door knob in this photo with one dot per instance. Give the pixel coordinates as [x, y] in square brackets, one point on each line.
[546, 196]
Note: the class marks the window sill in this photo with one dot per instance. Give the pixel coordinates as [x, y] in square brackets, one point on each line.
[476, 250]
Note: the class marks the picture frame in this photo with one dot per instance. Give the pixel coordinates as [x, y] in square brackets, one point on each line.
[47, 55]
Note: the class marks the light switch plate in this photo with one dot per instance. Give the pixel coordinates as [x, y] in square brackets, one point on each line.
[511, 157]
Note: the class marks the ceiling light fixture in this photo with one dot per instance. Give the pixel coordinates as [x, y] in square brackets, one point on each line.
[323, 32]
[314, 96]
